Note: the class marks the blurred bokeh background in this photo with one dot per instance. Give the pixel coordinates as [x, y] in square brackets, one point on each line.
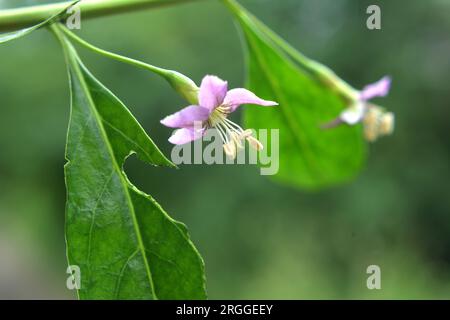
[258, 239]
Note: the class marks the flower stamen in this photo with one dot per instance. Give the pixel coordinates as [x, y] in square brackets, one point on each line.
[255, 143]
[231, 133]
[230, 149]
[387, 123]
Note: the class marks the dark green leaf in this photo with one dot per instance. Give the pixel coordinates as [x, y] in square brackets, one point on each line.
[310, 157]
[125, 244]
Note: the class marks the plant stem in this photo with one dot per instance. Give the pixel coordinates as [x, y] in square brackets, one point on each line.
[111, 55]
[13, 19]
[181, 83]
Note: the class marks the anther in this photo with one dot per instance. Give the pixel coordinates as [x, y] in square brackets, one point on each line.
[230, 149]
[387, 124]
[371, 133]
[254, 143]
[371, 117]
[246, 133]
[237, 140]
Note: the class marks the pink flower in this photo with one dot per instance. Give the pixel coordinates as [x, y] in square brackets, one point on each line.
[377, 122]
[216, 102]
[356, 113]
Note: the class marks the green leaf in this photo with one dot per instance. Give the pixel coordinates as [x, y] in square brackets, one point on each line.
[310, 157]
[5, 37]
[125, 244]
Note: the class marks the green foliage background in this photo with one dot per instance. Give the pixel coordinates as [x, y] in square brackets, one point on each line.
[258, 239]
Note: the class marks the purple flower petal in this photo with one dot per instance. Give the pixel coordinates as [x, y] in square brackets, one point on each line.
[212, 92]
[186, 117]
[185, 135]
[377, 89]
[236, 97]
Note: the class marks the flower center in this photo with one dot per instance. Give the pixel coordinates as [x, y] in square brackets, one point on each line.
[231, 133]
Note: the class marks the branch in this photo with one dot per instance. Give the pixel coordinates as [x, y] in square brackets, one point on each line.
[15, 19]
